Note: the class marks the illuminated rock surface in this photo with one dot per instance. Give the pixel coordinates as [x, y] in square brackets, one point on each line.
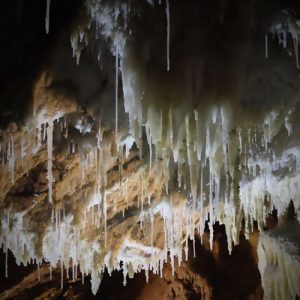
[158, 129]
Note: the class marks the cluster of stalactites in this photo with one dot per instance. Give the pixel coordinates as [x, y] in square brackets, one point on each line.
[64, 243]
[197, 159]
[217, 162]
[279, 266]
[222, 175]
[111, 23]
[281, 28]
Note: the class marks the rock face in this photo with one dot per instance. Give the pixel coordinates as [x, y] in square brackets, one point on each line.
[129, 159]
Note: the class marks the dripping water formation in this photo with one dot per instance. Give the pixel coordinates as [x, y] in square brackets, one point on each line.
[150, 149]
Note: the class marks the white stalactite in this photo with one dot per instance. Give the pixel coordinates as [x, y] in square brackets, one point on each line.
[50, 163]
[168, 34]
[11, 158]
[117, 97]
[47, 20]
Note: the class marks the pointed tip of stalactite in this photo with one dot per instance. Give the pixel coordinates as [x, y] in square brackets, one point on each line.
[46, 26]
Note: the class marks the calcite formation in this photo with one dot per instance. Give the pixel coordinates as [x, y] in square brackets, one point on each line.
[130, 192]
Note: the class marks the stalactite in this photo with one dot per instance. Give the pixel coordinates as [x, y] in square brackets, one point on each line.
[117, 97]
[11, 158]
[168, 34]
[50, 163]
[47, 20]
[266, 46]
[38, 272]
[282, 26]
